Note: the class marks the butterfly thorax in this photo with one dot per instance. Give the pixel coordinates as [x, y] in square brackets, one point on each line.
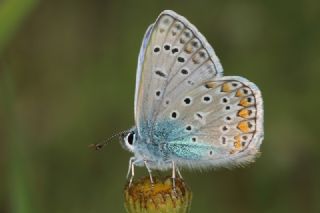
[152, 142]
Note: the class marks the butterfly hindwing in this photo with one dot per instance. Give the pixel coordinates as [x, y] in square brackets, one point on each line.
[223, 121]
[174, 57]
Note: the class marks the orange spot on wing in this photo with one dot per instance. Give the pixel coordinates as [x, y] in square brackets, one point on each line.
[244, 113]
[226, 87]
[244, 126]
[244, 102]
[188, 49]
[239, 93]
[210, 84]
[237, 143]
[195, 59]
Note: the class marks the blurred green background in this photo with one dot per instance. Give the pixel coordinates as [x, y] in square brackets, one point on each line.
[67, 75]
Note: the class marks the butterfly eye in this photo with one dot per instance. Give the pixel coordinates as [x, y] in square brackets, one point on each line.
[130, 139]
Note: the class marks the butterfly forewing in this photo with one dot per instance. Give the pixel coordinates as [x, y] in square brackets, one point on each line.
[174, 57]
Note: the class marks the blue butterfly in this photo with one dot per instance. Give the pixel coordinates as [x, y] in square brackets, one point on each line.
[187, 114]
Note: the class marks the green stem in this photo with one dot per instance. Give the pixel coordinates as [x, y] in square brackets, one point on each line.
[18, 161]
[12, 15]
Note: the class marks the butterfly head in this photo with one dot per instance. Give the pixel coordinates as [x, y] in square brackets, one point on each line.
[128, 139]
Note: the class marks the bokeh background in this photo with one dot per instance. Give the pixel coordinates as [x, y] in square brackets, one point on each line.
[67, 75]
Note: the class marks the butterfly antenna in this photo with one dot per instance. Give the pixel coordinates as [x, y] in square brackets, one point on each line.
[98, 146]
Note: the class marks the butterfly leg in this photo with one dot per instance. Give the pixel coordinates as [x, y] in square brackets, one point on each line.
[130, 164]
[174, 177]
[179, 173]
[132, 173]
[150, 172]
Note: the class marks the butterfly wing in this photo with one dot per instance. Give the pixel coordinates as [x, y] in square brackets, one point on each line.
[172, 55]
[223, 123]
[213, 120]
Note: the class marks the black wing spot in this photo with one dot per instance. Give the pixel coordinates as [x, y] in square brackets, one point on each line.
[187, 34]
[224, 128]
[156, 49]
[206, 98]
[166, 47]
[178, 26]
[184, 72]
[175, 50]
[161, 74]
[202, 54]
[224, 140]
[182, 41]
[195, 44]
[174, 115]
[188, 128]
[199, 115]
[190, 83]
[181, 59]
[158, 93]
[187, 101]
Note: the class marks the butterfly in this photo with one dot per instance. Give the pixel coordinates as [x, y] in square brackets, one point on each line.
[187, 114]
